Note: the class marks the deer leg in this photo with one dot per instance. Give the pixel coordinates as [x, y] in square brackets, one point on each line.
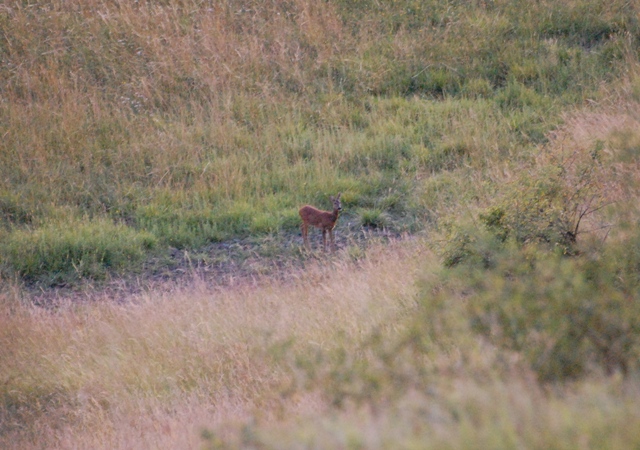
[333, 243]
[324, 238]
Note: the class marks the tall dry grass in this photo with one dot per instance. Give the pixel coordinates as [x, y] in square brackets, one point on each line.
[254, 365]
[156, 369]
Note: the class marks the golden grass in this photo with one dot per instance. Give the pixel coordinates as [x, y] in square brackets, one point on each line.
[153, 370]
[158, 369]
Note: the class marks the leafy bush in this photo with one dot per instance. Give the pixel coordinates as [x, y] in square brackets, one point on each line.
[373, 218]
[550, 204]
[559, 318]
[566, 316]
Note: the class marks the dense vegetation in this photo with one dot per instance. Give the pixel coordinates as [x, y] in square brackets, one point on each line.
[183, 123]
[499, 138]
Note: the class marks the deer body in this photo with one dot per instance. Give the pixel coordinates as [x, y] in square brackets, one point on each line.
[325, 220]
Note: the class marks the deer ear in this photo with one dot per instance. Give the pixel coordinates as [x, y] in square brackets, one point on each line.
[331, 198]
[339, 194]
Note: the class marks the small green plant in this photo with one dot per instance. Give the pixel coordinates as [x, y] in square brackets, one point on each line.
[477, 88]
[466, 243]
[458, 247]
[373, 218]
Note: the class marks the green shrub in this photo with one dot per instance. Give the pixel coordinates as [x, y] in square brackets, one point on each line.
[466, 243]
[560, 318]
[548, 205]
[566, 316]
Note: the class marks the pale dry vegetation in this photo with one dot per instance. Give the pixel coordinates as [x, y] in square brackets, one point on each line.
[154, 371]
[376, 353]
[498, 139]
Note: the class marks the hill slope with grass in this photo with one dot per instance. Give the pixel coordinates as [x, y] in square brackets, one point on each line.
[495, 144]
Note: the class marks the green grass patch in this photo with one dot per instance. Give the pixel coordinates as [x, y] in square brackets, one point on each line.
[68, 251]
[373, 218]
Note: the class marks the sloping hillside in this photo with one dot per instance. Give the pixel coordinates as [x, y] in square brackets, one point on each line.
[133, 128]
[494, 145]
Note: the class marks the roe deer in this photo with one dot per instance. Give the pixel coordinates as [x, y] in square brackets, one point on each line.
[321, 219]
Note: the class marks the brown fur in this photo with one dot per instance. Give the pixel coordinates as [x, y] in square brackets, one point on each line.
[325, 220]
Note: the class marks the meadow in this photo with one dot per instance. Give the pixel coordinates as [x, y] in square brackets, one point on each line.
[485, 288]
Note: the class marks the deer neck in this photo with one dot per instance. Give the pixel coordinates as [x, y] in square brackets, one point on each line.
[334, 215]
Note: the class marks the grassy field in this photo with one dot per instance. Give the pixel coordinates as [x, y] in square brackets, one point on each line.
[485, 289]
[182, 124]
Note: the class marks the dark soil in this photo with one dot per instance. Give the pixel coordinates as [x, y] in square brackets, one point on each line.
[239, 260]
